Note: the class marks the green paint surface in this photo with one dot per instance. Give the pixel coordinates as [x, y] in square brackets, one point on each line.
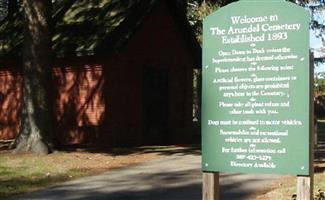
[256, 89]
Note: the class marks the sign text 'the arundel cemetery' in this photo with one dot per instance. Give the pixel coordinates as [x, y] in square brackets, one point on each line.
[256, 89]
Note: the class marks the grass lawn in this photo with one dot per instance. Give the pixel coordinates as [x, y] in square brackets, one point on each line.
[20, 173]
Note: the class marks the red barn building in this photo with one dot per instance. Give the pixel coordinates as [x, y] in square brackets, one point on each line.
[122, 73]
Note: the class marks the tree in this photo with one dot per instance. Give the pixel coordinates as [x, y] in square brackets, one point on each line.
[198, 9]
[317, 23]
[319, 86]
[8, 8]
[12, 8]
[196, 12]
[3, 10]
[36, 118]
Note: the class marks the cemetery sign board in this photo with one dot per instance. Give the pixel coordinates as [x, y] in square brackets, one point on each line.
[256, 89]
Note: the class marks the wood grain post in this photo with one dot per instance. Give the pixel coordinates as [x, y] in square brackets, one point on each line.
[210, 186]
[305, 187]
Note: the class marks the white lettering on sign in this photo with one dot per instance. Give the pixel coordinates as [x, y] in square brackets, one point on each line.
[247, 29]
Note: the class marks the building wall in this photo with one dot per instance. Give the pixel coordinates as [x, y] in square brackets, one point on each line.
[10, 100]
[159, 44]
[79, 104]
[107, 99]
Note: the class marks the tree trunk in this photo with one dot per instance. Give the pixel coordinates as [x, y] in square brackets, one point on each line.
[36, 118]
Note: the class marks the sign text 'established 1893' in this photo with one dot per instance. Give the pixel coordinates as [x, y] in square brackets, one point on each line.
[256, 89]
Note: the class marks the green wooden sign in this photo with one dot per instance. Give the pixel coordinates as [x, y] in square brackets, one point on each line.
[256, 89]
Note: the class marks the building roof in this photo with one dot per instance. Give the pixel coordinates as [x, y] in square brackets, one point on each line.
[83, 27]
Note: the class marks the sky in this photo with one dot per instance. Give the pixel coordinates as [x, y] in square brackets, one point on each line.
[316, 44]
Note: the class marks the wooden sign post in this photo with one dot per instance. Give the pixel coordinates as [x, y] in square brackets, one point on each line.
[256, 88]
[305, 187]
[210, 186]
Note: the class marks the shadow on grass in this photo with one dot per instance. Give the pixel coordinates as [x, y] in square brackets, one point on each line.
[194, 149]
[160, 150]
[12, 183]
